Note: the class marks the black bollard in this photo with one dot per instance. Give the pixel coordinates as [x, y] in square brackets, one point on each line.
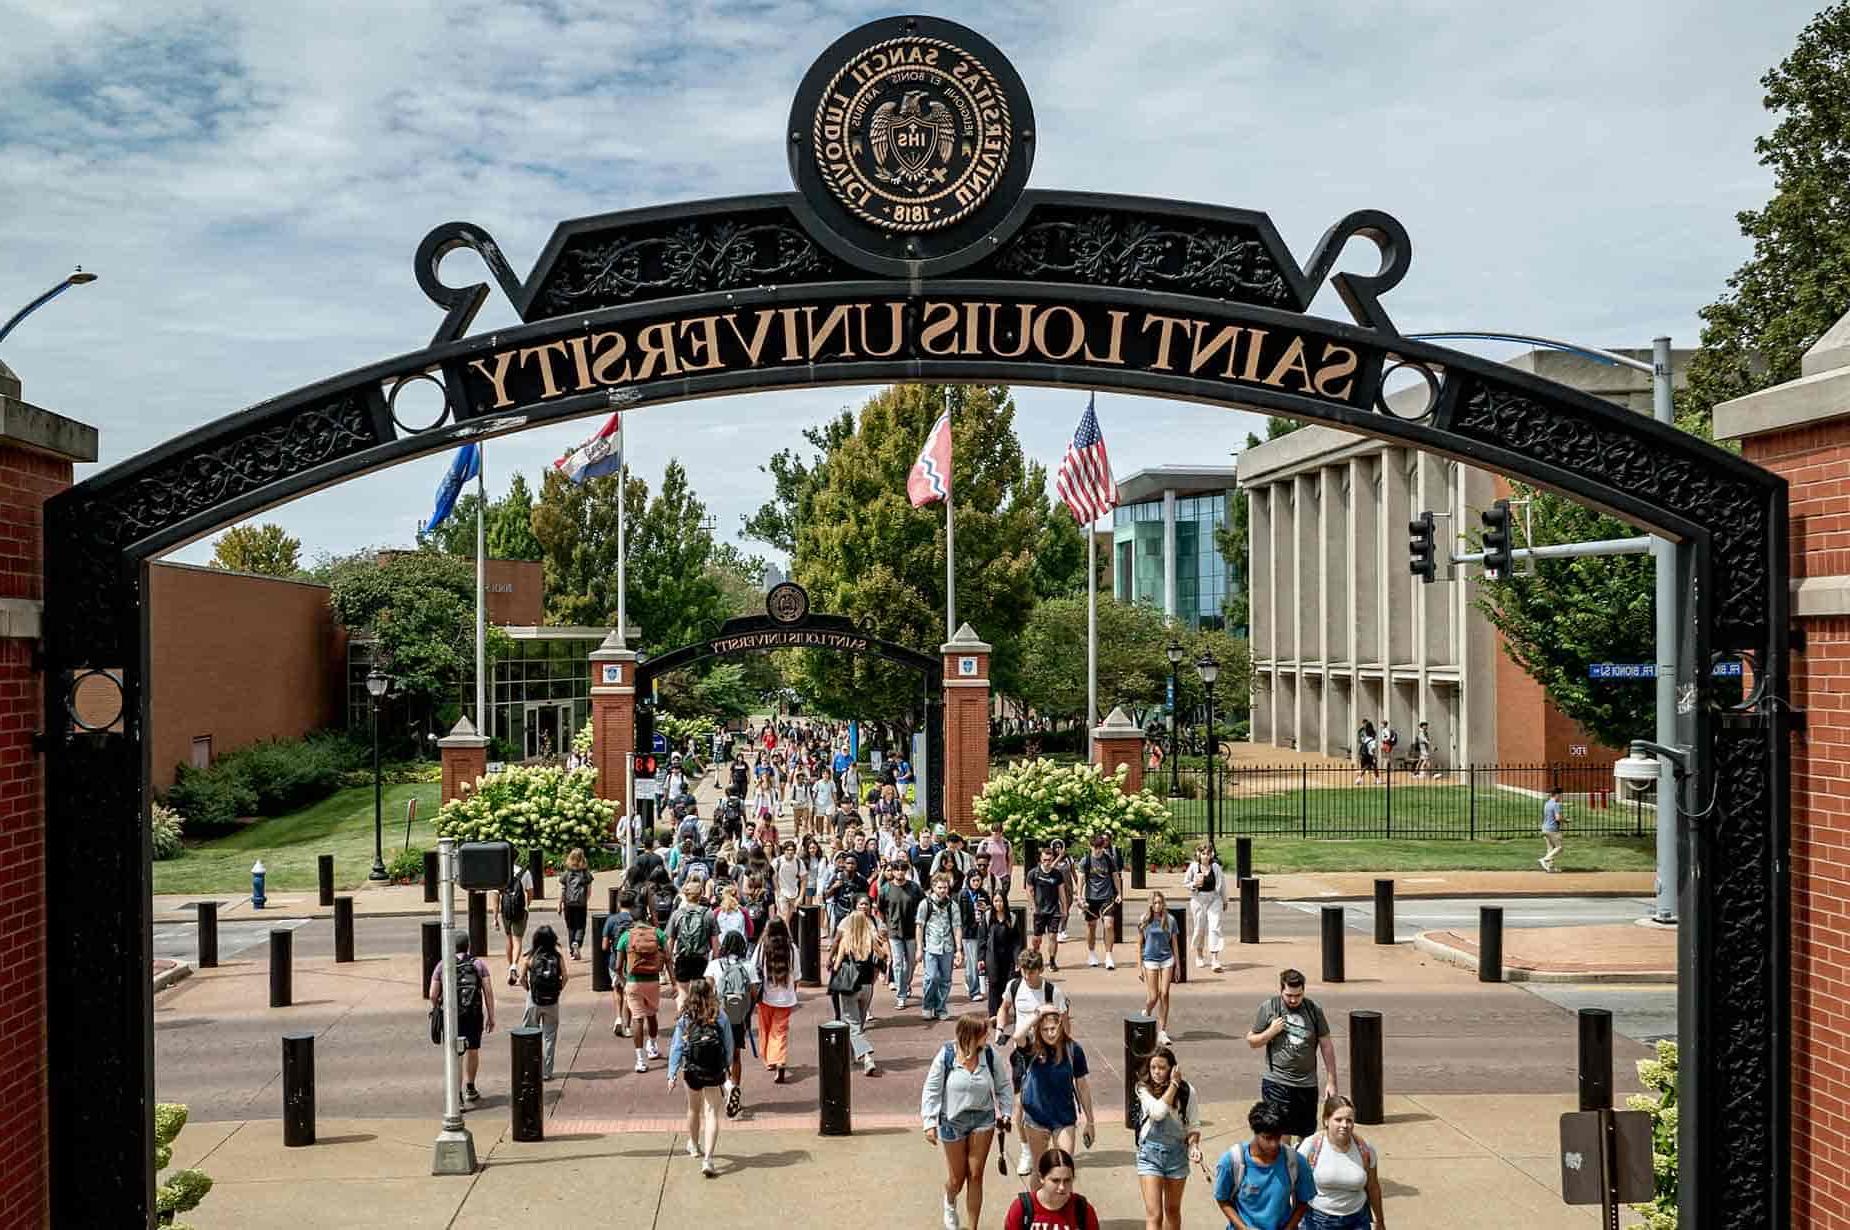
[208, 934]
[1332, 943]
[1030, 854]
[1595, 1059]
[1117, 923]
[1365, 1066]
[343, 930]
[1139, 1045]
[1384, 911]
[1249, 911]
[526, 1106]
[324, 877]
[1178, 918]
[1020, 914]
[432, 929]
[282, 950]
[298, 1090]
[1490, 943]
[834, 1062]
[1140, 859]
[536, 867]
[600, 960]
[612, 904]
[809, 945]
[1242, 858]
[432, 874]
[478, 924]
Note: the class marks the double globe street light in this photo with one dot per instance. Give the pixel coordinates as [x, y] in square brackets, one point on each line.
[378, 683]
[1209, 669]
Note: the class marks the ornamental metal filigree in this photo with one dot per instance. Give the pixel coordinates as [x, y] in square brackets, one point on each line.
[692, 257]
[1107, 248]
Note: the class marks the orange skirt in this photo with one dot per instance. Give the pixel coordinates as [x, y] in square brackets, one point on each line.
[774, 1035]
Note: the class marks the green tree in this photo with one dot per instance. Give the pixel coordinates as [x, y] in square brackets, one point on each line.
[419, 607]
[1132, 668]
[862, 550]
[263, 549]
[740, 578]
[794, 481]
[508, 526]
[1060, 557]
[1797, 282]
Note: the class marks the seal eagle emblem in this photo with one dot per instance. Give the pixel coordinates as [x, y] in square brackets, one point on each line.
[903, 134]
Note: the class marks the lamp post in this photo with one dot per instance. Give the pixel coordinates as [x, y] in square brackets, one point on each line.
[1175, 655]
[1209, 669]
[378, 683]
[77, 277]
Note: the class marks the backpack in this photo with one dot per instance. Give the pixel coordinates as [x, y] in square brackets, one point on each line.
[575, 887]
[545, 977]
[1014, 986]
[1180, 1110]
[1238, 1154]
[514, 901]
[948, 1056]
[690, 935]
[1078, 1204]
[735, 990]
[1316, 1151]
[645, 952]
[704, 1056]
[468, 986]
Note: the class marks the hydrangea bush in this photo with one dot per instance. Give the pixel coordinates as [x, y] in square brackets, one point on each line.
[541, 806]
[182, 1190]
[1039, 800]
[166, 828]
[1659, 1075]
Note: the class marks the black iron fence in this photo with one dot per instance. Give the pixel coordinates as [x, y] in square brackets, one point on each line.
[1465, 803]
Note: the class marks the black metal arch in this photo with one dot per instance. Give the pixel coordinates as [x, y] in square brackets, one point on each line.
[1156, 297]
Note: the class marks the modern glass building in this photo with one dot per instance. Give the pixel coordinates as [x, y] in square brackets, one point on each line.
[1163, 549]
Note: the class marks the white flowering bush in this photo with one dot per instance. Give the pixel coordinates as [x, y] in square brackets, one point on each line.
[581, 739]
[181, 1191]
[539, 806]
[165, 829]
[1659, 1075]
[1039, 800]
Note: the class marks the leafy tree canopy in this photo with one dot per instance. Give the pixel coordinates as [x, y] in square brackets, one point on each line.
[420, 608]
[264, 549]
[794, 482]
[1132, 668]
[508, 526]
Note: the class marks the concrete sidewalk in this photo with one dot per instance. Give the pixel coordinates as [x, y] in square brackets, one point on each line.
[1624, 954]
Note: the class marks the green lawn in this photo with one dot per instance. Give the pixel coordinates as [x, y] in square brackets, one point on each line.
[1414, 810]
[1287, 854]
[341, 825]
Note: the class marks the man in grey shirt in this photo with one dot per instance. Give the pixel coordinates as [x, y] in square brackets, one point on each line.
[1293, 1030]
[1554, 816]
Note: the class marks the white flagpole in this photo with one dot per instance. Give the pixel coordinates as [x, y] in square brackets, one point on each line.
[1091, 636]
[623, 575]
[950, 541]
[481, 589]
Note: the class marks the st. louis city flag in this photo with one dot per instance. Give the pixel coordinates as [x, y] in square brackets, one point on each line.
[600, 455]
[1084, 480]
[464, 466]
[930, 479]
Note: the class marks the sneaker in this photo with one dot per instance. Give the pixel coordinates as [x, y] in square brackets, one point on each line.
[653, 1051]
[642, 1065]
[1091, 960]
[1544, 863]
[707, 1168]
[1062, 937]
[471, 1094]
[899, 1003]
[1215, 967]
[1053, 967]
[950, 1214]
[735, 1100]
[1025, 1165]
[867, 1065]
[693, 1150]
[1109, 963]
[1163, 1038]
[975, 996]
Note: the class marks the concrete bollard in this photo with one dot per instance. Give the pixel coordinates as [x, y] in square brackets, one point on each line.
[1333, 943]
[432, 929]
[834, 1063]
[1249, 911]
[600, 960]
[1178, 917]
[478, 924]
[432, 873]
[343, 930]
[324, 878]
[1490, 943]
[298, 1089]
[809, 945]
[207, 938]
[1365, 1066]
[282, 953]
[526, 1104]
[1139, 1045]
[1384, 911]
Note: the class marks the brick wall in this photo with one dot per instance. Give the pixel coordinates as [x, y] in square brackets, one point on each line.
[1530, 730]
[966, 738]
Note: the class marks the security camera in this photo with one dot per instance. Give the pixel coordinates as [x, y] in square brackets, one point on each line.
[1636, 772]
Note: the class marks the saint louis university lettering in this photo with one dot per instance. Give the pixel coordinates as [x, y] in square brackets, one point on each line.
[912, 134]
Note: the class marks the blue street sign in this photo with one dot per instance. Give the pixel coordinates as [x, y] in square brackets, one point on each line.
[658, 743]
[1169, 701]
[1648, 670]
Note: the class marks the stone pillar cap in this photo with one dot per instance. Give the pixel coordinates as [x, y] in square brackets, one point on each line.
[965, 642]
[462, 735]
[1117, 725]
[1829, 352]
[614, 649]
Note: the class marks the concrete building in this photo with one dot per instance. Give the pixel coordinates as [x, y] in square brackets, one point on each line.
[1162, 539]
[1342, 632]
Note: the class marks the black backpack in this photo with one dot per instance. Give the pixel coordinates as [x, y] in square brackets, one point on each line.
[514, 901]
[468, 986]
[705, 1056]
[545, 976]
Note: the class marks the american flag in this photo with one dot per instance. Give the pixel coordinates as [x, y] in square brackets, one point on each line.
[1084, 481]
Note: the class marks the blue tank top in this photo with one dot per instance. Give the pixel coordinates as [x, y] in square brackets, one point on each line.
[1158, 944]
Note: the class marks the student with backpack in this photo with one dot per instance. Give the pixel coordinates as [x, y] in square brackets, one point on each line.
[511, 916]
[1055, 1086]
[475, 1009]
[1260, 1184]
[543, 973]
[973, 923]
[701, 1050]
[899, 901]
[575, 898]
[642, 956]
[776, 974]
[614, 927]
[692, 933]
[1168, 1139]
[736, 983]
[966, 1100]
[1344, 1167]
[1157, 953]
[940, 941]
[1053, 1205]
[855, 957]
[1002, 944]
[1206, 882]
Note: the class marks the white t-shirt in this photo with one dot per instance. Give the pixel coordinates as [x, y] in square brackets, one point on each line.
[1342, 1178]
[777, 994]
[1028, 1001]
[789, 874]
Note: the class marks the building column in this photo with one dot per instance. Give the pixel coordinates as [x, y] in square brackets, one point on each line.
[966, 726]
[613, 717]
[1169, 554]
[1284, 593]
[1260, 626]
[465, 760]
[1118, 741]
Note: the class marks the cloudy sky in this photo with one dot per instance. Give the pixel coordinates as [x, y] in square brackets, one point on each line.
[251, 179]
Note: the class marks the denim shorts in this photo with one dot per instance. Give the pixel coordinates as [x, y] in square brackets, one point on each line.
[1166, 1159]
[1361, 1219]
[950, 1131]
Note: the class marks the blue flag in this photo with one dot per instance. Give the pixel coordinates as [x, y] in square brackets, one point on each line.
[467, 465]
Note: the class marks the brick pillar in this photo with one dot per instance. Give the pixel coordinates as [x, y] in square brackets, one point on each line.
[613, 716]
[966, 726]
[37, 448]
[1118, 741]
[1802, 430]
[465, 759]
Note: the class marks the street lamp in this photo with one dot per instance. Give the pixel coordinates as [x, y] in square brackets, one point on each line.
[378, 683]
[1209, 670]
[1175, 655]
[77, 277]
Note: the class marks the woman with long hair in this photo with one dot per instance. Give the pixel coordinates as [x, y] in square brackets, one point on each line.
[1206, 882]
[1053, 1204]
[702, 1051]
[729, 915]
[812, 860]
[1168, 1139]
[1345, 1167]
[777, 978]
[1002, 944]
[787, 882]
[1156, 961]
[965, 1100]
[855, 958]
[575, 898]
[1054, 1088]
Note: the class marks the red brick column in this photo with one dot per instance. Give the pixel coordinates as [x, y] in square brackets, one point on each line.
[1116, 742]
[37, 448]
[613, 716]
[465, 759]
[1802, 430]
[966, 726]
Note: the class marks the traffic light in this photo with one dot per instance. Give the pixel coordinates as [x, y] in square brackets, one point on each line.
[645, 764]
[1424, 563]
[1497, 558]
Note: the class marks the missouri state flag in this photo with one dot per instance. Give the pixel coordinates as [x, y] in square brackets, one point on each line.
[930, 479]
[600, 455]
